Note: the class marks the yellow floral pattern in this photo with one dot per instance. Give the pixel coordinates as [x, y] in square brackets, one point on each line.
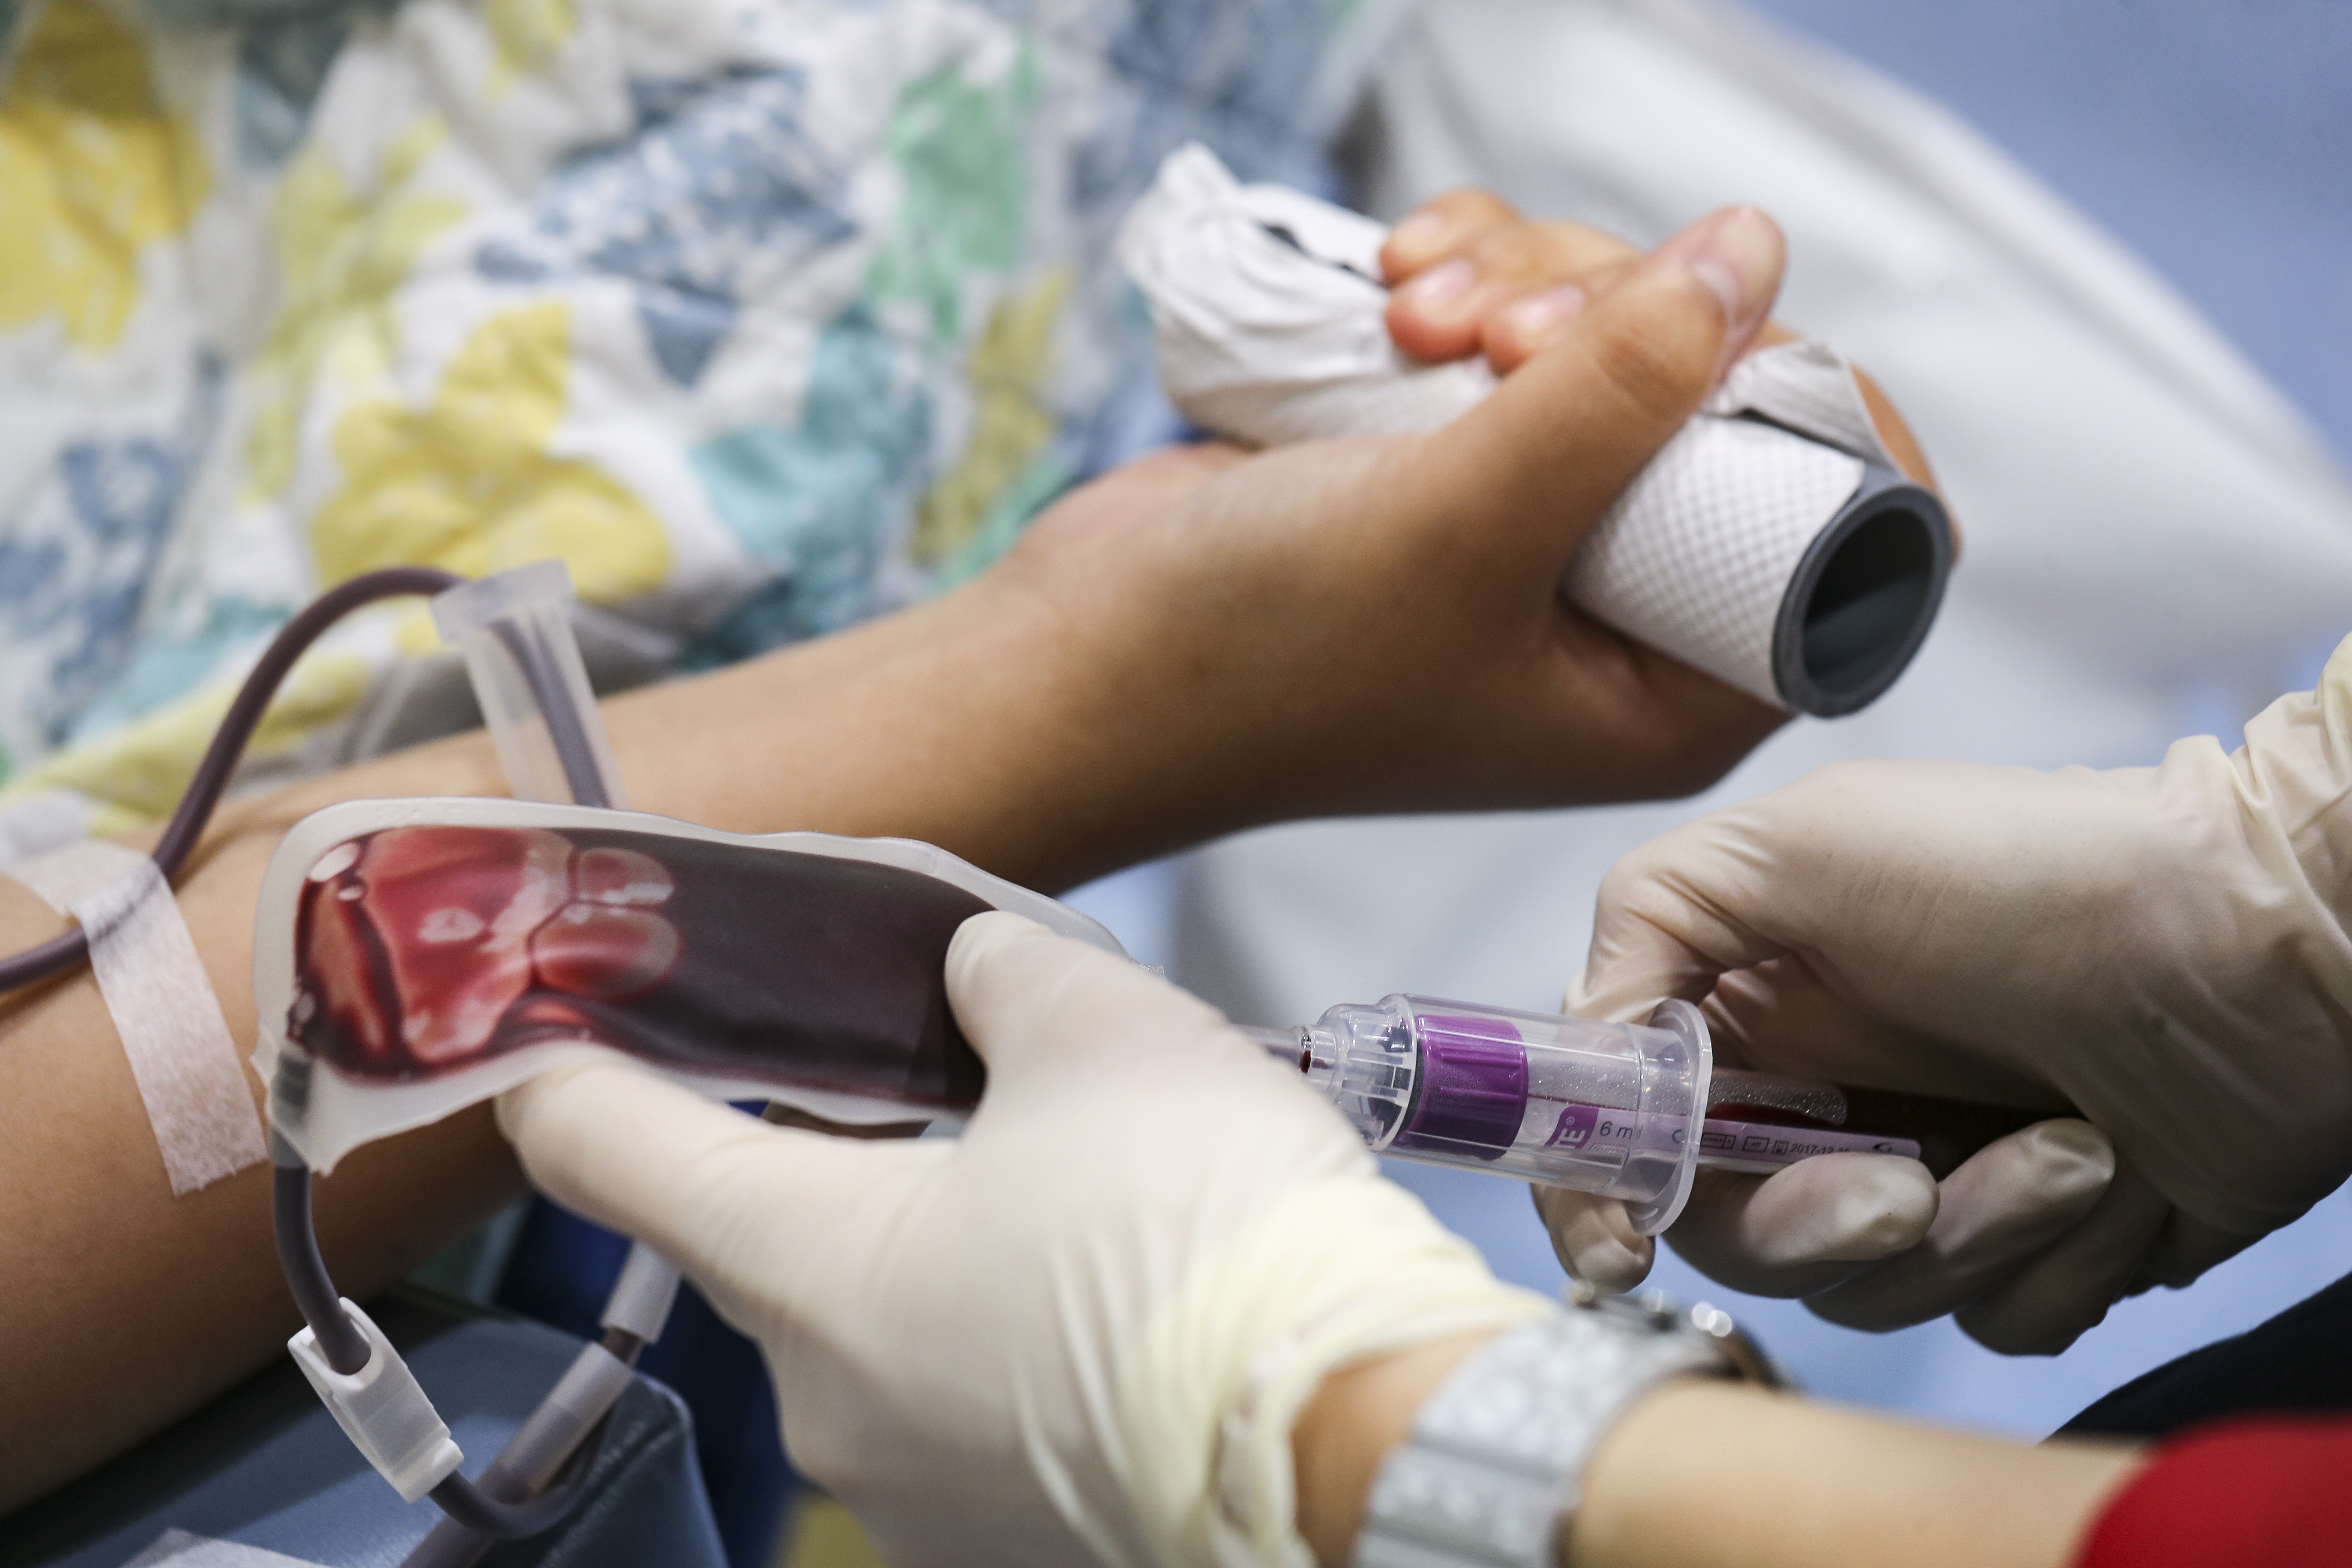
[467, 481]
[92, 171]
[136, 774]
[343, 251]
[1010, 422]
[528, 34]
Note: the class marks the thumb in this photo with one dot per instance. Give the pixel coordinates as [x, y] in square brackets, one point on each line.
[1028, 997]
[1666, 924]
[1559, 440]
[702, 1184]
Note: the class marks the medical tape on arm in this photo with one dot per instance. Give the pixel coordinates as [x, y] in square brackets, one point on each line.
[162, 1006]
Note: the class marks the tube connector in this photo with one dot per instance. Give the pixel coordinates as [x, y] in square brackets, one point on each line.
[515, 631]
[640, 1296]
[382, 1410]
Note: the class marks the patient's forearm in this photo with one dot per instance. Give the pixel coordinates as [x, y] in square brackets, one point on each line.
[979, 722]
[1711, 1475]
[968, 723]
[122, 1306]
[1706, 1475]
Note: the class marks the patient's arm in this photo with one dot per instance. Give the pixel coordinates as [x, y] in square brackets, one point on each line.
[124, 1307]
[1203, 641]
[1701, 1474]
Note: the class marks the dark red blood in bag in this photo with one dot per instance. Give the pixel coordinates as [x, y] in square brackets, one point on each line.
[452, 910]
[591, 950]
[422, 949]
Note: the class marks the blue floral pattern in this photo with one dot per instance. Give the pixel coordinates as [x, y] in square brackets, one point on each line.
[718, 174]
[831, 307]
[75, 565]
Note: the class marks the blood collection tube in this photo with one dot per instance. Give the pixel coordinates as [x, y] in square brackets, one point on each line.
[1626, 1111]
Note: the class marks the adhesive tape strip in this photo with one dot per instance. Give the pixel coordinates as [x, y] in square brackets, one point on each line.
[178, 1548]
[162, 1005]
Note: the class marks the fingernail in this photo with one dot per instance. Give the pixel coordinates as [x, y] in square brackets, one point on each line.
[1736, 253]
[1534, 319]
[1442, 285]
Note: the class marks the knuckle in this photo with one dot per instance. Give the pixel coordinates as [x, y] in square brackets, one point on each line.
[1583, 245]
[1631, 880]
[1656, 375]
[1472, 206]
[1517, 251]
[1443, 226]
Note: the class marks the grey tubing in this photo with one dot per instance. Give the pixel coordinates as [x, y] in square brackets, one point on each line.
[577, 1407]
[580, 1399]
[642, 1297]
[347, 1351]
[345, 1347]
[480, 1513]
[451, 1544]
[533, 1456]
[565, 730]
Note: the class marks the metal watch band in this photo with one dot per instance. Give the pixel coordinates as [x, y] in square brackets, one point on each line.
[1495, 1456]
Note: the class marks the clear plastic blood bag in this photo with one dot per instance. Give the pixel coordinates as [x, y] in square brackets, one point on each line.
[1626, 1111]
[423, 950]
[415, 957]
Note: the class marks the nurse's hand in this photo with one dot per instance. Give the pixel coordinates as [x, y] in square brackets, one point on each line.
[2159, 947]
[1375, 624]
[1081, 1333]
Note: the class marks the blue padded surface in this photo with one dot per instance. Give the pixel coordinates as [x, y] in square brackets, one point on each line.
[267, 1465]
[562, 1269]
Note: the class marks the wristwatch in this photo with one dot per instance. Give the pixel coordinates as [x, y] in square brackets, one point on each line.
[1498, 1454]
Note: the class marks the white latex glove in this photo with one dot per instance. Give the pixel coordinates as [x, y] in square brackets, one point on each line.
[1080, 1333]
[2160, 947]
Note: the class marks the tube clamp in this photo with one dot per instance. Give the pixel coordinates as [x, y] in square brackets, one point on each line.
[382, 1410]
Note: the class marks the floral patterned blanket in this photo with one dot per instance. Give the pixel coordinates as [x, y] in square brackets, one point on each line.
[764, 315]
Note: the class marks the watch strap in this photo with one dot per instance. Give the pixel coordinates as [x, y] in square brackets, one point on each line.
[1496, 1454]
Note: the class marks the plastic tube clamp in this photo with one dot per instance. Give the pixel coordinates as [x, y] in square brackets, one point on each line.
[383, 1411]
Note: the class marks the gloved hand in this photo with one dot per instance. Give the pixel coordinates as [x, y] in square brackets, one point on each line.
[2160, 947]
[1082, 1332]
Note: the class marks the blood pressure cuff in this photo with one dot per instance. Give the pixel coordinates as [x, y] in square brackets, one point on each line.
[416, 957]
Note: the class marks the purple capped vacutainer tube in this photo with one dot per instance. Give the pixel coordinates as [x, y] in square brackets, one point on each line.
[1626, 1110]
[1473, 1085]
[1604, 1107]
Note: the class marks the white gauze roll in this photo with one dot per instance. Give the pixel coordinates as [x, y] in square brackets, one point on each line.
[1773, 544]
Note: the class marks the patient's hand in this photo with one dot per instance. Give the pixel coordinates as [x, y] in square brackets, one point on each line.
[1472, 276]
[1374, 623]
